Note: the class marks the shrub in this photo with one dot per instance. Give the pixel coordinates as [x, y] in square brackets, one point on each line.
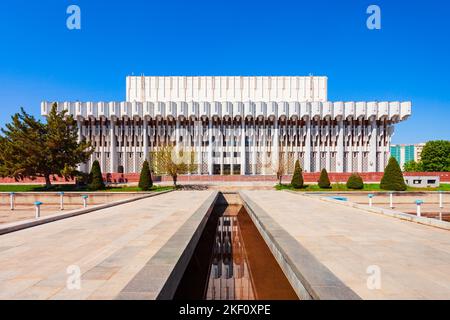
[324, 180]
[393, 177]
[96, 179]
[145, 180]
[297, 178]
[355, 182]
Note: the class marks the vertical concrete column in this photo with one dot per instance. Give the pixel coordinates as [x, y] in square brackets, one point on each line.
[350, 148]
[210, 148]
[243, 147]
[340, 147]
[145, 133]
[80, 167]
[264, 149]
[232, 147]
[307, 159]
[254, 148]
[372, 167]
[328, 148]
[360, 148]
[276, 145]
[113, 151]
[199, 148]
[222, 141]
[317, 148]
[136, 168]
[102, 146]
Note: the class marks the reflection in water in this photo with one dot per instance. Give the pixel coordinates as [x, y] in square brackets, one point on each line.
[229, 278]
[242, 266]
[232, 262]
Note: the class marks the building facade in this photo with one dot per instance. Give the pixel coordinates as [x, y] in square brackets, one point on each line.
[404, 153]
[238, 125]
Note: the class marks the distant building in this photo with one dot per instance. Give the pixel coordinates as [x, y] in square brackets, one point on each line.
[404, 153]
[238, 125]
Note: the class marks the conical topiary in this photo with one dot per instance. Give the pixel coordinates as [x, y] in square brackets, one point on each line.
[355, 182]
[324, 180]
[96, 178]
[297, 178]
[393, 177]
[145, 180]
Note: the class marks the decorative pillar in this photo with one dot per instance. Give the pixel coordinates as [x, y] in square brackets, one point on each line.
[307, 156]
[222, 141]
[253, 132]
[145, 133]
[113, 151]
[275, 146]
[360, 148]
[243, 147]
[340, 147]
[102, 136]
[210, 148]
[327, 147]
[372, 165]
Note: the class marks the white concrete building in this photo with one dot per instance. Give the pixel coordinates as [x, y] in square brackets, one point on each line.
[238, 125]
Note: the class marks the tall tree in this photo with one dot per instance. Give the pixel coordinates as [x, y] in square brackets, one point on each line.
[297, 177]
[30, 148]
[393, 177]
[436, 156]
[145, 179]
[324, 180]
[96, 177]
[412, 166]
[167, 160]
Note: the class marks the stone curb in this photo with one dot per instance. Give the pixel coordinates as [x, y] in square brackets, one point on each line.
[25, 224]
[386, 212]
[309, 277]
[161, 275]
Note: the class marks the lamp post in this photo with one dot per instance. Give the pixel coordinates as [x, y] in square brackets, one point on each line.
[85, 197]
[370, 199]
[391, 200]
[12, 197]
[419, 204]
[61, 200]
[37, 205]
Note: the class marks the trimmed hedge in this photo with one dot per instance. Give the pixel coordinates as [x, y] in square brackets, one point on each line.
[297, 179]
[145, 179]
[393, 177]
[324, 180]
[96, 178]
[355, 182]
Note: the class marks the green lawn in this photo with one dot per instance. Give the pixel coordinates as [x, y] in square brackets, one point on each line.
[342, 187]
[72, 187]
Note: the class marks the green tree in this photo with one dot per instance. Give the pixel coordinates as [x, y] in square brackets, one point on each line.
[30, 148]
[166, 160]
[436, 156]
[297, 178]
[96, 177]
[355, 182]
[393, 177]
[145, 180]
[324, 180]
[412, 166]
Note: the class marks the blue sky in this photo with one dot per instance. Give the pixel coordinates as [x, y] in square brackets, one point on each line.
[408, 59]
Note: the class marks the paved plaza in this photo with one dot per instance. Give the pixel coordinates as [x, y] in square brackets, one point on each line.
[110, 247]
[413, 259]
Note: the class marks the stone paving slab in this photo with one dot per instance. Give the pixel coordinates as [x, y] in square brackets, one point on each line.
[110, 246]
[413, 259]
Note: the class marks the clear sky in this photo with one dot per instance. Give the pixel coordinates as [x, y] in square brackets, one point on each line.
[408, 59]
